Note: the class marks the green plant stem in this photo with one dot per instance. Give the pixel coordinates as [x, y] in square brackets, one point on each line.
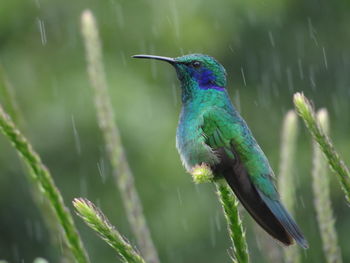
[7, 93]
[40, 174]
[286, 179]
[95, 219]
[320, 185]
[230, 206]
[121, 169]
[202, 174]
[307, 113]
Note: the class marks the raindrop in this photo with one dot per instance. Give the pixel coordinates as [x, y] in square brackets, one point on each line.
[312, 77]
[237, 100]
[302, 201]
[38, 231]
[290, 78]
[123, 58]
[101, 170]
[76, 137]
[272, 40]
[197, 189]
[61, 243]
[300, 66]
[42, 31]
[179, 196]
[325, 57]
[218, 221]
[212, 232]
[312, 31]
[231, 48]
[243, 76]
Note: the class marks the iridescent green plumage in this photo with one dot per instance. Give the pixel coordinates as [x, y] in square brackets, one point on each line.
[211, 131]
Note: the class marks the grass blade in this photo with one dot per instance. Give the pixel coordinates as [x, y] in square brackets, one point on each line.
[95, 219]
[286, 180]
[7, 94]
[230, 206]
[320, 185]
[203, 174]
[307, 113]
[121, 169]
[41, 175]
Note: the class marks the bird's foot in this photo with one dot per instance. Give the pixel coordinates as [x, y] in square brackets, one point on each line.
[202, 174]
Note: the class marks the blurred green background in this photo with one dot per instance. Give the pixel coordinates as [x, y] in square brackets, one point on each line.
[270, 49]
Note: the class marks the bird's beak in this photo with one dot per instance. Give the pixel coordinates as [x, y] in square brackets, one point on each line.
[169, 60]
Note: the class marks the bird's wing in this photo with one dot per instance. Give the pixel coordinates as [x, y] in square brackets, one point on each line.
[229, 133]
[246, 169]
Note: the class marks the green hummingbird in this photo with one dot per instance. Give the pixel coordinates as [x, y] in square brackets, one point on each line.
[211, 132]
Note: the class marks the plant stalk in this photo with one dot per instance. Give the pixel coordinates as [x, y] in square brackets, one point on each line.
[41, 175]
[121, 170]
[286, 178]
[322, 200]
[307, 113]
[96, 220]
[234, 224]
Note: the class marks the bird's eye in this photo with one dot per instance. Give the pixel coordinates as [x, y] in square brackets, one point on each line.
[196, 64]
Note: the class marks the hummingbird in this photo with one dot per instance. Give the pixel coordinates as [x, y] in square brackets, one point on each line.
[211, 132]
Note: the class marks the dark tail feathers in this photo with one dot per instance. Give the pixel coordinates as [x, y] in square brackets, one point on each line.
[269, 214]
[285, 219]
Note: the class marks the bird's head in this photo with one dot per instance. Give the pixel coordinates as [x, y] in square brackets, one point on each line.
[199, 70]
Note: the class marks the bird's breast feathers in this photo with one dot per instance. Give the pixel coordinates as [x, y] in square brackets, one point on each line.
[190, 142]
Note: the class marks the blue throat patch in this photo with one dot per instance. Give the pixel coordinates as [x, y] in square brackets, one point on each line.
[206, 80]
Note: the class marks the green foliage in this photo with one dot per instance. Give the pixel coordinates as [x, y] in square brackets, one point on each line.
[307, 113]
[269, 49]
[322, 200]
[41, 175]
[203, 174]
[95, 219]
[48, 215]
[286, 178]
[234, 224]
[121, 169]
